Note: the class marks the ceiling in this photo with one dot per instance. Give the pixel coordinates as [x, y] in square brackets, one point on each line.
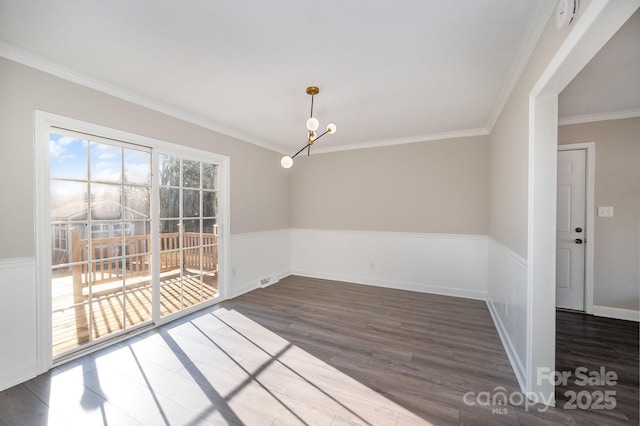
[609, 85]
[388, 72]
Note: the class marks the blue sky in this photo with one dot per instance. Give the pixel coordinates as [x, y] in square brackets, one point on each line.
[69, 159]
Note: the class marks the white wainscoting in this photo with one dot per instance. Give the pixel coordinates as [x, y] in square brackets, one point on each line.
[450, 264]
[259, 259]
[507, 302]
[18, 360]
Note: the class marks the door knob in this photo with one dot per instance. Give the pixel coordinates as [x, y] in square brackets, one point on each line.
[578, 229]
[578, 241]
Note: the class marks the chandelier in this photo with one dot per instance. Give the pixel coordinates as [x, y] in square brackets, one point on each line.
[312, 127]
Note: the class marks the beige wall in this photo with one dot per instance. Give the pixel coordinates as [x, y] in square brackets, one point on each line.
[617, 183]
[429, 187]
[259, 187]
[509, 148]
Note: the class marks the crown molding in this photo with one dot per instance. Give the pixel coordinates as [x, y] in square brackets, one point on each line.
[517, 67]
[39, 63]
[402, 141]
[604, 116]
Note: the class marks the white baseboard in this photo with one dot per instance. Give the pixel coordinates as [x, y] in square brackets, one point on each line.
[398, 285]
[447, 264]
[11, 378]
[617, 313]
[240, 289]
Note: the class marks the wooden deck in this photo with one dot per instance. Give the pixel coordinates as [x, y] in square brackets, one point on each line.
[79, 324]
[104, 287]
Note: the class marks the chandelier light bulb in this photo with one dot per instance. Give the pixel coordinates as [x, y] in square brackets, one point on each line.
[313, 124]
[286, 162]
[332, 128]
[312, 136]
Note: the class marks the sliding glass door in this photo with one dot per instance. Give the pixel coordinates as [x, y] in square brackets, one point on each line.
[103, 235]
[100, 215]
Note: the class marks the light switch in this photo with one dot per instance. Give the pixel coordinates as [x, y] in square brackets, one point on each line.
[605, 211]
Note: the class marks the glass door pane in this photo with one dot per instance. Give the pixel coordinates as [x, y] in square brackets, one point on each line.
[100, 240]
[188, 233]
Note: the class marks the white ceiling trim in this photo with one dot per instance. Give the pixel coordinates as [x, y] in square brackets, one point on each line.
[517, 67]
[32, 60]
[400, 141]
[590, 118]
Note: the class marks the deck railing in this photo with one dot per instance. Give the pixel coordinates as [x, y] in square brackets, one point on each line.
[108, 259]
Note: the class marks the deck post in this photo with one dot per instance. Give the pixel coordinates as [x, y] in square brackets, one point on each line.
[78, 298]
[76, 258]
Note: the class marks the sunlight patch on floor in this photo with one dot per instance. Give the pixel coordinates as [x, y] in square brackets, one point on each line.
[219, 367]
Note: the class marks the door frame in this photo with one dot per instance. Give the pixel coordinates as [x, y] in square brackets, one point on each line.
[597, 24]
[590, 148]
[43, 123]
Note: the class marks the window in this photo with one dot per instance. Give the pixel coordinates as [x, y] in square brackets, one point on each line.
[59, 237]
[117, 229]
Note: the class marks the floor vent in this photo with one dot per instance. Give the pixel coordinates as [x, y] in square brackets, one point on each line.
[265, 282]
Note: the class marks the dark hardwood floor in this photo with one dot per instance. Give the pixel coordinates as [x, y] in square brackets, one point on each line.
[602, 355]
[317, 352]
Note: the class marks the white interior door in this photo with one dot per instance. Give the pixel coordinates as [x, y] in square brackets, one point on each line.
[570, 248]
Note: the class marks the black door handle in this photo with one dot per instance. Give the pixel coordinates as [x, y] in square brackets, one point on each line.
[578, 241]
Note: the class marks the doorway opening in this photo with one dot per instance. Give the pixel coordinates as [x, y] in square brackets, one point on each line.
[595, 26]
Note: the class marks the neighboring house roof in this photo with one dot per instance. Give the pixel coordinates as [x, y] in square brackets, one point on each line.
[100, 210]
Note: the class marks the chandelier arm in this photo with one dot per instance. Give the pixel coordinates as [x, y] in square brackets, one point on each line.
[301, 149]
[308, 145]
